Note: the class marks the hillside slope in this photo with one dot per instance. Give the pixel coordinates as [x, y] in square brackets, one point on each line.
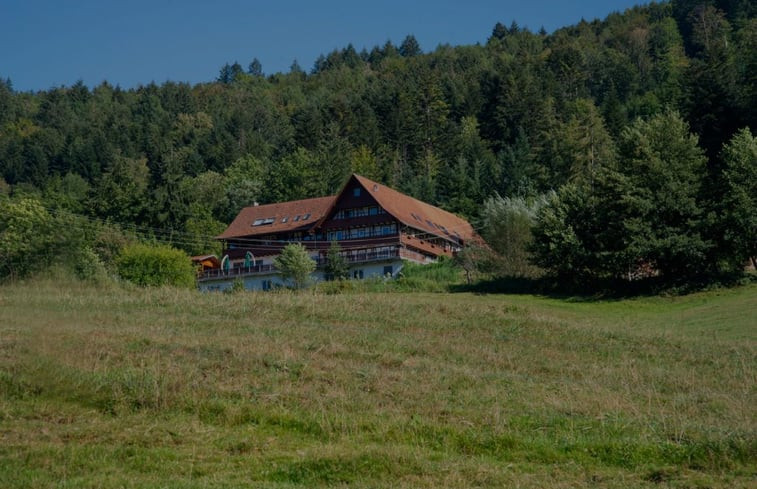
[118, 387]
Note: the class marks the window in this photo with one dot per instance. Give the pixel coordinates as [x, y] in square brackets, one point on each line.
[356, 192]
[306, 217]
[258, 222]
[334, 235]
[357, 274]
[269, 220]
[388, 270]
[284, 219]
[296, 218]
[373, 211]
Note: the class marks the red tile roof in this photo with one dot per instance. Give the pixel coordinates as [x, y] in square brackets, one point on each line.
[242, 225]
[419, 215]
[407, 210]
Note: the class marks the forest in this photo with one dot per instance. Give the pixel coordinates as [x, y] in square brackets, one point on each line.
[626, 144]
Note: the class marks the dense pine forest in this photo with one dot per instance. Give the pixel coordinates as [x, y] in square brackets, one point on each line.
[629, 143]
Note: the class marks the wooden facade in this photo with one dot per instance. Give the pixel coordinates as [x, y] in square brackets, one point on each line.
[371, 223]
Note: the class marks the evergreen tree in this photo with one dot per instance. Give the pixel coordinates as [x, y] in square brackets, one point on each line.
[738, 205]
[410, 47]
[255, 68]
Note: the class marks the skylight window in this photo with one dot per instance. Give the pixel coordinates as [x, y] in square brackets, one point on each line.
[269, 220]
[296, 218]
[258, 222]
[306, 217]
[284, 219]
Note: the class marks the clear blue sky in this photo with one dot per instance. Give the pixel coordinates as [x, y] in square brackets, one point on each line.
[47, 43]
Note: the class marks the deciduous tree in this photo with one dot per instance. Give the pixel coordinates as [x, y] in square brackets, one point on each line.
[295, 265]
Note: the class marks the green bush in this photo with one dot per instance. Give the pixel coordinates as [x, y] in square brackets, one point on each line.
[145, 264]
[295, 265]
[87, 265]
[434, 277]
[27, 237]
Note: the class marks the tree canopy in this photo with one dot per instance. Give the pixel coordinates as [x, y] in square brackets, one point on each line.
[524, 114]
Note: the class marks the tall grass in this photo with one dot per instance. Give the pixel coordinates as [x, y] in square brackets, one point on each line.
[114, 386]
[442, 276]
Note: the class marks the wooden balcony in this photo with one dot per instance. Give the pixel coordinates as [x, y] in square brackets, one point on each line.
[234, 272]
[354, 258]
[365, 257]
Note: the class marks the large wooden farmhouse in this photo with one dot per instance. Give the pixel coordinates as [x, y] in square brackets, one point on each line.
[376, 227]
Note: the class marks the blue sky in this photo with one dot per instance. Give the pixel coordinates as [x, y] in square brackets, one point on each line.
[48, 43]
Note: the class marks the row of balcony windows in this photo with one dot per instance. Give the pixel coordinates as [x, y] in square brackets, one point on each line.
[359, 212]
[362, 232]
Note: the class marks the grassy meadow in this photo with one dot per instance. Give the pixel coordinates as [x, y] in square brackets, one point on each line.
[114, 386]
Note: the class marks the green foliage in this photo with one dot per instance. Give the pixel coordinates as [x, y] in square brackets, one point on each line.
[294, 264]
[519, 116]
[237, 286]
[27, 237]
[202, 229]
[155, 265]
[337, 267]
[434, 277]
[506, 227]
[664, 168]
[87, 265]
[557, 245]
[121, 192]
[642, 219]
[738, 207]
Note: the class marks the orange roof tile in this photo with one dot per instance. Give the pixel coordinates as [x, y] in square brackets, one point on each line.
[409, 211]
[242, 225]
[418, 214]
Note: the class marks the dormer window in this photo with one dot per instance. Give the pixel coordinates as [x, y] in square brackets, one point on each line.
[261, 222]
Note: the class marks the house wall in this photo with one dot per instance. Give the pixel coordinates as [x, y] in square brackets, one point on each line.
[274, 280]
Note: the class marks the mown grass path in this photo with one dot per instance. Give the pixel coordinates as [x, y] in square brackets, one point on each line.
[108, 386]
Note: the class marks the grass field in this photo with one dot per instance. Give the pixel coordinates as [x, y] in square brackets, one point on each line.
[111, 386]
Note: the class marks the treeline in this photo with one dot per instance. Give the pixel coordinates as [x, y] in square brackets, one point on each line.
[524, 114]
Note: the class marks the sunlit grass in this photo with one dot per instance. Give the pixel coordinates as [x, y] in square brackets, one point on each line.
[114, 386]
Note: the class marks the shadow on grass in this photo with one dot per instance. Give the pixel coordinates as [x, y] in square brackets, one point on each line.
[608, 289]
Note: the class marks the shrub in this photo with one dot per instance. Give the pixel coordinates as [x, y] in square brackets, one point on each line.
[26, 237]
[507, 224]
[295, 264]
[87, 265]
[145, 264]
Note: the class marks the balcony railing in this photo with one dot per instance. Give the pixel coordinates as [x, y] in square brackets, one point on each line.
[415, 256]
[232, 272]
[356, 257]
[366, 256]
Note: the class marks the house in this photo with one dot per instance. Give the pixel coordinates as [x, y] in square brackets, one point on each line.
[377, 228]
[205, 262]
